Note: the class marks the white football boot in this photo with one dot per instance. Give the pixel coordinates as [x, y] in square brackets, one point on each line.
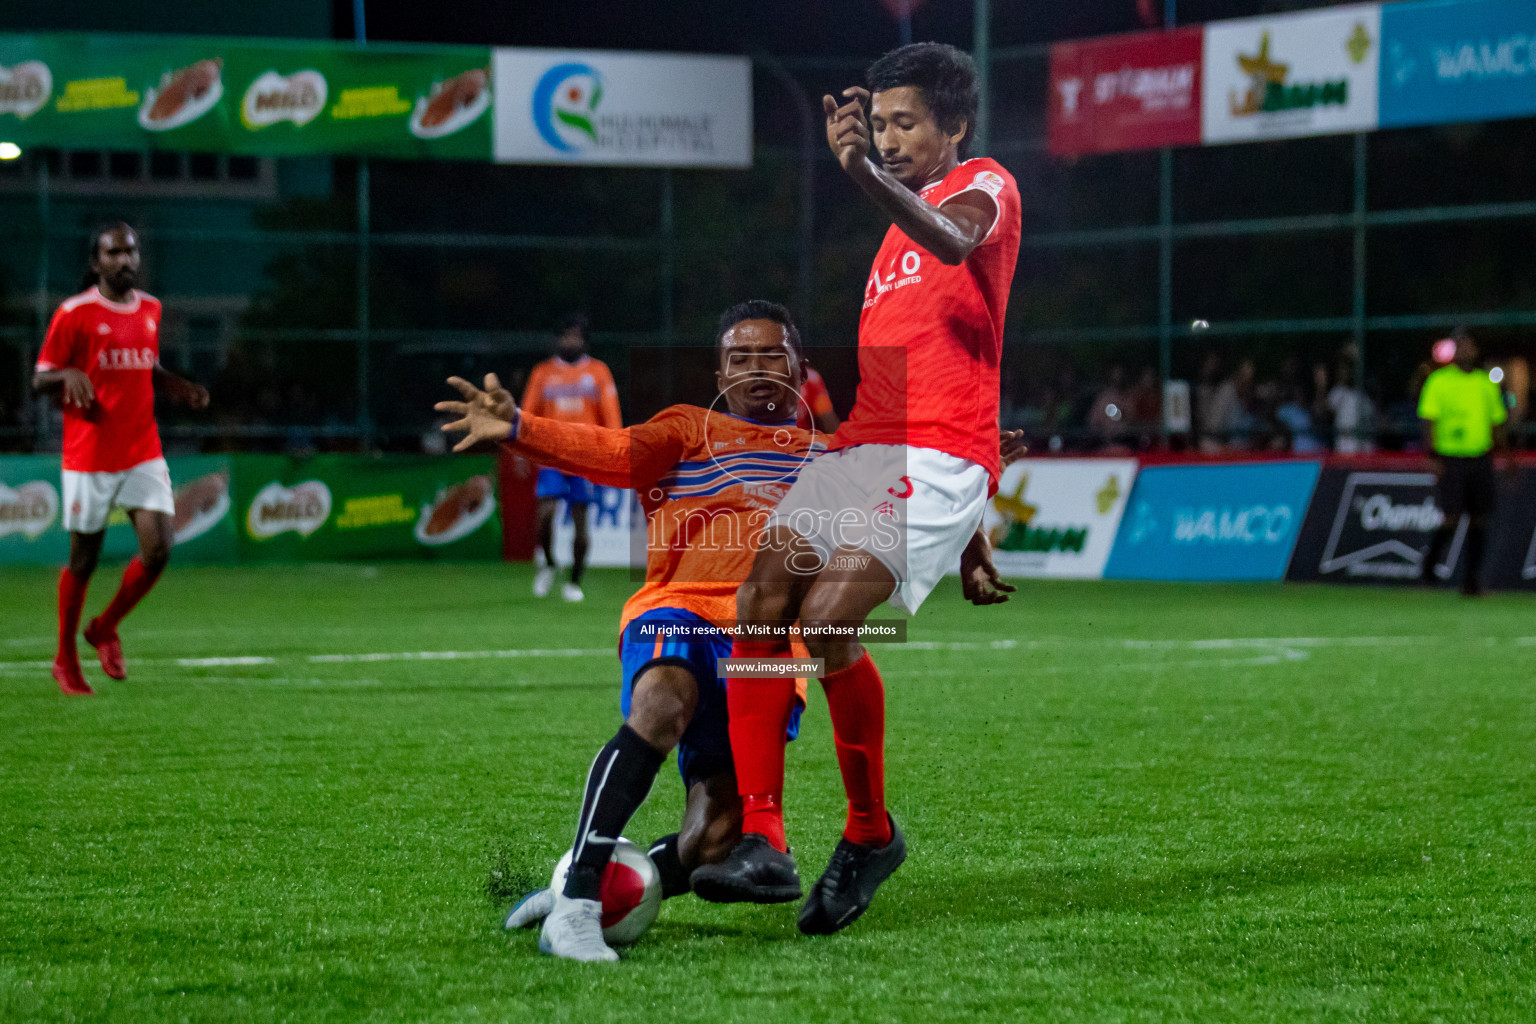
[532, 909]
[572, 592]
[543, 581]
[574, 930]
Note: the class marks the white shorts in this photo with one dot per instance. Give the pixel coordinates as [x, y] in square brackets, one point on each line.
[914, 509]
[89, 497]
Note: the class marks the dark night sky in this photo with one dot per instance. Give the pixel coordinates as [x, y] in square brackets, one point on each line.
[802, 27]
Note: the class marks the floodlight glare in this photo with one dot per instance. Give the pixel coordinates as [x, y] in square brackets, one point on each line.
[9, 151]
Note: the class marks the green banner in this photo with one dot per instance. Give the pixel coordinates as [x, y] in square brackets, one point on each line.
[270, 508]
[334, 507]
[243, 96]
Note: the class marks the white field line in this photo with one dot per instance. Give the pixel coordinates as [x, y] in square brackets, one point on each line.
[1264, 651]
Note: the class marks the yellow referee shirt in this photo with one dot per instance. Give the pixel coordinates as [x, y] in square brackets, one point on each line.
[1464, 408]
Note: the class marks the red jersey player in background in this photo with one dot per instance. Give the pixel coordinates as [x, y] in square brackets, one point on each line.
[816, 408]
[101, 361]
[918, 451]
[571, 387]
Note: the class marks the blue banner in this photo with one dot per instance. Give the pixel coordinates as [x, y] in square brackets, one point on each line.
[1214, 522]
[1453, 60]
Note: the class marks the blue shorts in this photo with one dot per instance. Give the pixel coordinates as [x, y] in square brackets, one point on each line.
[705, 749]
[555, 484]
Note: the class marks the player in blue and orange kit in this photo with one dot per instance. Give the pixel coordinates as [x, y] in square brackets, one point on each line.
[707, 479]
[571, 387]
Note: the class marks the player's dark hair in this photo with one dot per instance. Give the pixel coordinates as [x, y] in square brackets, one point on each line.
[761, 309]
[946, 76]
[88, 280]
[577, 322]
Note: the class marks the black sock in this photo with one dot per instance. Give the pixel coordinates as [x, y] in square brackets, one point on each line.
[1472, 561]
[674, 877]
[1437, 546]
[578, 560]
[618, 783]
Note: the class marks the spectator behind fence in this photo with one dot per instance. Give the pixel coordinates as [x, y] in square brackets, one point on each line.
[1107, 418]
[1351, 410]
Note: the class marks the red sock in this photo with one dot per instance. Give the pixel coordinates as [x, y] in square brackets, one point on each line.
[759, 713]
[856, 701]
[137, 582]
[71, 601]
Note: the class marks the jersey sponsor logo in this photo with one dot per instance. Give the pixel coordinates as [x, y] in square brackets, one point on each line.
[29, 509]
[903, 488]
[126, 358]
[302, 509]
[911, 262]
[103, 329]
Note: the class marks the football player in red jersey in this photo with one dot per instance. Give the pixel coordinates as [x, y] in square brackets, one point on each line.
[918, 451]
[101, 362]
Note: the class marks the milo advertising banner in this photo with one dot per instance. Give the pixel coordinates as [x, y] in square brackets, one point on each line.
[31, 516]
[262, 97]
[1058, 517]
[334, 507]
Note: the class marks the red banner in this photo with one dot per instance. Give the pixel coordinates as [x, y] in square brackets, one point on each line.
[1138, 91]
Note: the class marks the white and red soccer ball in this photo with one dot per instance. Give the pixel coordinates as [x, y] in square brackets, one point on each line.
[630, 893]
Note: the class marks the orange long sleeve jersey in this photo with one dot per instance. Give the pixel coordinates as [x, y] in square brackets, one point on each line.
[579, 392]
[707, 481]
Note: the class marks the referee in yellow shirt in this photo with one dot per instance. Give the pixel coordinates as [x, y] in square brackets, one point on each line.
[1463, 413]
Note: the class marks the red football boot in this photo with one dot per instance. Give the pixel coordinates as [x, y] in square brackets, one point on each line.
[109, 650]
[70, 679]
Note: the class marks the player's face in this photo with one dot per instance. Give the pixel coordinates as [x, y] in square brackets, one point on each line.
[117, 258]
[913, 148]
[570, 345]
[759, 374]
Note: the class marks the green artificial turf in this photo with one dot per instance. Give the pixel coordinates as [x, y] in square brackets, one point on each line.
[1125, 802]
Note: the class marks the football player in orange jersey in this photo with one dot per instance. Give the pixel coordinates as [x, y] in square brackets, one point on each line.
[707, 479]
[571, 387]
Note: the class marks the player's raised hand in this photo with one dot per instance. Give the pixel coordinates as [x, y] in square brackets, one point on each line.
[484, 415]
[1011, 446]
[848, 127]
[979, 578]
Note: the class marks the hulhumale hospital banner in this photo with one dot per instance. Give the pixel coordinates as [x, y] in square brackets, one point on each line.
[285, 98]
[1457, 61]
[604, 107]
[1213, 522]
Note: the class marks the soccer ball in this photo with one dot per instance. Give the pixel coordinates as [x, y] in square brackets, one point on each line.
[631, 892]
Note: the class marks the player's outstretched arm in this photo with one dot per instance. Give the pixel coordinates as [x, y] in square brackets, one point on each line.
[979, 578]
[180, 390]
[950, 231]
[69, 386]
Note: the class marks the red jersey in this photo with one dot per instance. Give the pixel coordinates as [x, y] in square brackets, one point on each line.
[118, 346]
[579, 392]
[931, 336]
[707, 481]
[814, 400]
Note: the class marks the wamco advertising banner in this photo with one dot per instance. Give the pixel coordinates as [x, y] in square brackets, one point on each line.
[1455, 61]
[636, 109]
[1137, 91]
[1058, 517]
[1213, 522]
[256, 97]
[1314, 73]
